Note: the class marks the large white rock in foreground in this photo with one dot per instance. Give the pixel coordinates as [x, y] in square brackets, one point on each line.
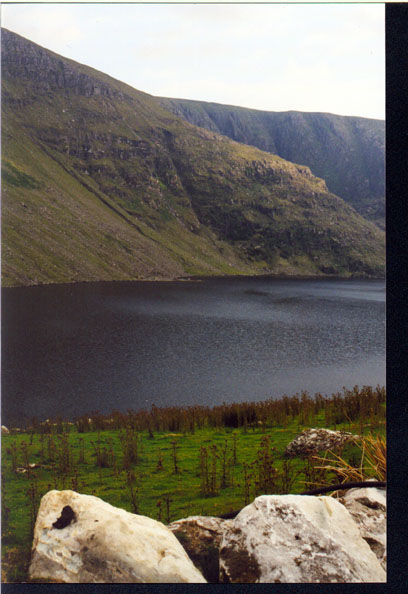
[296, 539]
[80, 539]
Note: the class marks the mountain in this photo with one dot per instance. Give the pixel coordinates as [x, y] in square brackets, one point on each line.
[100, 182]
[347, 152]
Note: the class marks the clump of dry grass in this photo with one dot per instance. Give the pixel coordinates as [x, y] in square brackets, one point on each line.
[372, 464]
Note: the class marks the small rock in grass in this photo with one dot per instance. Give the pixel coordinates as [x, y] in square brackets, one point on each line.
[312, 441]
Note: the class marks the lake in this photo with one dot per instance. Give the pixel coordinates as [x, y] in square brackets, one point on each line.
[75, 348]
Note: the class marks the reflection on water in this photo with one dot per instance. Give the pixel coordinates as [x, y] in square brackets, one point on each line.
[70, 349]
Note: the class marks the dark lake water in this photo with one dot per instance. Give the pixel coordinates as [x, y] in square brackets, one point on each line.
[70, 349]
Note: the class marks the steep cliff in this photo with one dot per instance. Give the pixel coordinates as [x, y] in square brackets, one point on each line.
[101, 182]
[347, 152]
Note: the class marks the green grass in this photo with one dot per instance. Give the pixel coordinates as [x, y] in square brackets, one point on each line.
[15, 177]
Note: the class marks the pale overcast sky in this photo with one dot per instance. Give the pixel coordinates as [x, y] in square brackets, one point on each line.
[275, 57]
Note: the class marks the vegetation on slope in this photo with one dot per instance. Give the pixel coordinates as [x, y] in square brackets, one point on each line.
[347, 152]
[169, 463]
[101, 182]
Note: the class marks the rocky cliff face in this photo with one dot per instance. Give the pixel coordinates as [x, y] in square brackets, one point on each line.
[348, 152]
[100, 182]
[46, 70]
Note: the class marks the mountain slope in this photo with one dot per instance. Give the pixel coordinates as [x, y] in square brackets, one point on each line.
[347, 152]
[101, 182]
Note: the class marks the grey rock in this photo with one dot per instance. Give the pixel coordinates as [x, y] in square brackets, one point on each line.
[201, 538]
[296, 539]
[368, 507]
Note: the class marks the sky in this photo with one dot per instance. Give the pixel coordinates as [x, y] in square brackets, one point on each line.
[274, 57]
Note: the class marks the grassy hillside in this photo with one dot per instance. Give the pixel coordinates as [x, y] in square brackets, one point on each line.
[100, 182]
[347, 152]
[57, 229]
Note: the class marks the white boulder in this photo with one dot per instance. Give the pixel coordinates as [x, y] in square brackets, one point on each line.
[296, 539]
[80, 538]
[368, 507]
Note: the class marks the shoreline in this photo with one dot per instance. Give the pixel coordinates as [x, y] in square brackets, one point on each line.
[201, 278]
[299, 399]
